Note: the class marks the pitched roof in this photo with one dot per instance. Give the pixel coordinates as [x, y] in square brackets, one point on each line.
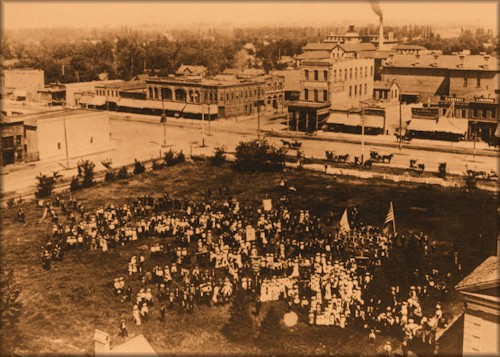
[483, 277]
[469, 62]
[136, 346]
[313, 55]
[357, 47]
[320, 46]
[194, 70]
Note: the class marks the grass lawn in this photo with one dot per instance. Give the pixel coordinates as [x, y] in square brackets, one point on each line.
[63, 306]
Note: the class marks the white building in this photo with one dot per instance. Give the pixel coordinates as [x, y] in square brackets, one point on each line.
[76, 91]
[85, 132]
[482, 311]
[136, 346]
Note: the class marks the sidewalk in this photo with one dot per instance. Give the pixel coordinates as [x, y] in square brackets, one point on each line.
[462, 147]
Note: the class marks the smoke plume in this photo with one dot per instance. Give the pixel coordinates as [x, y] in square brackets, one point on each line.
[376, 7]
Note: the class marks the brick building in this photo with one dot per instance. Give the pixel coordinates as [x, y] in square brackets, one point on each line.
[12, 146]
[428, 77]
[330, 83]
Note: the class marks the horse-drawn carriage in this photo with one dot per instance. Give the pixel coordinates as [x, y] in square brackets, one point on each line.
[376, 157]
[415, 166]
[330, 156]
[481, 174]
[294, 145]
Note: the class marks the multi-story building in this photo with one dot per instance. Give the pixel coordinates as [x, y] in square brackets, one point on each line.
[330, 83]
[21, 83]
[12, 145]
[428, 77]
[80, 93]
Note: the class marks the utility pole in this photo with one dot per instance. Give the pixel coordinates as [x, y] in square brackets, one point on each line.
[202, 125]
[65, 138]
[164, 120]
[258, 113]
[474, 137]
[400, 126]
[362, 133]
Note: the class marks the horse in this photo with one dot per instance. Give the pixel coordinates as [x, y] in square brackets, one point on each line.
[374, 156]
[368, 164]
[442, 169]
[342, 158]
[285, 142]
[330, 156]
[387, 157]
[295, 144]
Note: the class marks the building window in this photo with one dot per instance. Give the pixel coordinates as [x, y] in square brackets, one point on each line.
[340, 74]
[474, 113]
[8, 142]
[493, 113]
[350, 73]
[325, 95]
[366, 88]
[325, 75]
[350, 91]
[478, 81]
[306, 73]
[58, 146]
[355, 90]
[91, 139]
[465, 81]
[19, 139]
[371, 71]
[315, 75]
[334, 75]
[464, 113]
[345, 71]
[316, 95]
[484, 112]
[306, 94]
[355, 73]
[366, 71]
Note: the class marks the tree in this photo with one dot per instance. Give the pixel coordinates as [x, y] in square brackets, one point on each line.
[45, 185]
[259, 155]
[240, 324]
[10, 312]
[86, 173]
[271, 329]
[138, 167]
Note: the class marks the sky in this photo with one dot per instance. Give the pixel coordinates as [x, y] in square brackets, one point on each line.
[19, 14]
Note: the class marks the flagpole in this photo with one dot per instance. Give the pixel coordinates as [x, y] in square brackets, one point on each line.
[393, 219]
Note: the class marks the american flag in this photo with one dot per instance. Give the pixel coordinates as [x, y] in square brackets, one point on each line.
[390, 215]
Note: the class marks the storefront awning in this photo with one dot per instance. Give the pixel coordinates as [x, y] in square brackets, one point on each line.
[131, 103]
[86, 99]
[98, 101]
[442, 125]
[197, 109]
[354, 119]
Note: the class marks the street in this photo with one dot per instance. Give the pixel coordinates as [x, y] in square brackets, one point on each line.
[141, 137]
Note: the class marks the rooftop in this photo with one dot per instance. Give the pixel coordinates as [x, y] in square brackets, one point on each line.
[292, 79]
[457, 62]
[408, 47]
[136, 346]
[485, 276]
[313, 55]
[319, 46]
[383, 85]
[357, 47]
[193, 70]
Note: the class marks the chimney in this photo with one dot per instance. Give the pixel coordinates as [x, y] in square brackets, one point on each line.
[101, 342]
[381, 33]
[351, 28]
[461, 63]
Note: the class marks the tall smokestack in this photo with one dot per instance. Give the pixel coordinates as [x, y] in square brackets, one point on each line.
[378, 10]
[381, 33]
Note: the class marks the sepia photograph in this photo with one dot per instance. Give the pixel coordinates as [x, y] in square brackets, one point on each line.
[249, 178]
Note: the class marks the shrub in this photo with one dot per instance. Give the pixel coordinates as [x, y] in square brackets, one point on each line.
[240, 324]
[172, 158]
[107, 163]
[259, 156]
[219, 157]
[86, 173]
[45, 185]
[157, 165]
[109, 176]
[122, 173]
[271, 329]
[138, 168]
[75, 184]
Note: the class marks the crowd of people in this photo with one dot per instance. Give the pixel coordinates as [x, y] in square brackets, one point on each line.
[201, 252]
